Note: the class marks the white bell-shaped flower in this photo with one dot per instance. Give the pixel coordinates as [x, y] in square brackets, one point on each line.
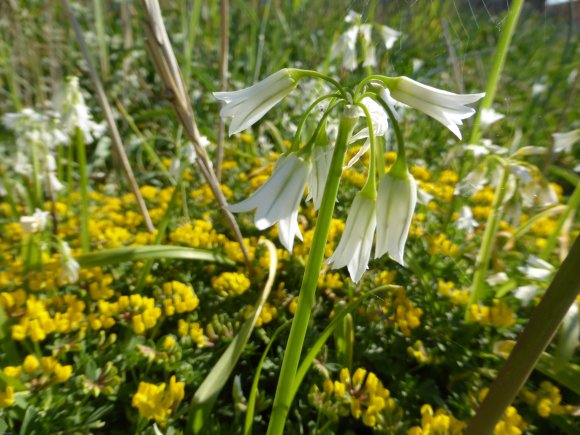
[277, 200]
[396, 200]
[247, 106]
[446, 107]
[354, 248]
[563, 141]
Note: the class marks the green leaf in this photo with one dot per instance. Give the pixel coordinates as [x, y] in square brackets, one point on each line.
[30, 423]
[254, 391]
[207, 393]
[527, 226]
[568, 376]
[344, 341]
[138, 253]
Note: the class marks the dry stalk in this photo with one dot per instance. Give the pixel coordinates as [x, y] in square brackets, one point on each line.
[117, 143]
[166, 66]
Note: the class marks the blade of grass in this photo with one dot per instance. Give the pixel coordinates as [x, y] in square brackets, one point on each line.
[534, 339]
[138, 253]
[251, 407]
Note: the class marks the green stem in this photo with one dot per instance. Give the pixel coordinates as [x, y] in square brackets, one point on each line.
[82, 161]
[316, 74]
[400, 168]
[285, 388]
[103, 51]
[190, 42]
[531, 343]
[572, 206]
[488, 241]
[262, 39]
[69, 174]
[296, 142]
[497, 66]
[370, 187]
[37, 196]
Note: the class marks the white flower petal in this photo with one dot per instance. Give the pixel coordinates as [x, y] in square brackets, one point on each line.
[249, 105]
[396, 202]
[354, 248]
[446, 107]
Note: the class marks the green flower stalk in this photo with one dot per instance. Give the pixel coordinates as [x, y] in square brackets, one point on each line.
[285, 388]
[277, 201]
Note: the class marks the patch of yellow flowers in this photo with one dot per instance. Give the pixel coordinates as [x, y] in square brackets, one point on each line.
[158, 401]
[361, 395]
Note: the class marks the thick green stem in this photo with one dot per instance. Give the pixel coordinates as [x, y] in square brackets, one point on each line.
[285, 388]
[572, 206]
[82, 161]
[488, 241]
[531, 343]
[498, 62]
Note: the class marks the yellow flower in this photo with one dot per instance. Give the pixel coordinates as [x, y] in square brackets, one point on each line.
[7, 397]
[62, 373]
[231, 284]
[155, 402]
[30, 364]
[12, 371]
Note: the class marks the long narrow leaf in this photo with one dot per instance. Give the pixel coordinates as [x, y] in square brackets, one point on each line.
[254, 391]
[138, 253]
[207, 393]
[568, 376]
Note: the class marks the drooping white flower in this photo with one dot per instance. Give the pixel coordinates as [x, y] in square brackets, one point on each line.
[536, 268]
[538, 88]
[563, 141]
[389, 36]
[446, 107]
[474, 181]
[354, 248]
[70, 267]
[466, 222]
[34, 223]
[369, 48]
[249, 105]
[486, 148]
[189, 150]
[74, 112]
[380, 123]
[547, 196]
[497, 278]
[278, 199]
[396, 200]
[345, 46]
[489, 116]
[526, 293]
[321, 158]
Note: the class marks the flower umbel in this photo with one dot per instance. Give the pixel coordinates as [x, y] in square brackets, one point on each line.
[249, 105]
[278, 199]
[446, 107]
